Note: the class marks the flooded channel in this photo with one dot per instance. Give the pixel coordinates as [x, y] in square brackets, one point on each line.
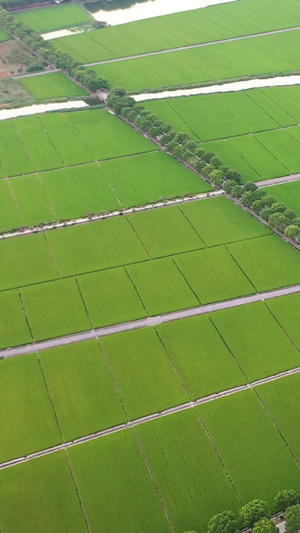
[40, 108]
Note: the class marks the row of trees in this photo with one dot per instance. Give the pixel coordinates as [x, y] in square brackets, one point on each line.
[88, 77]
[256, 515]
[207, 164]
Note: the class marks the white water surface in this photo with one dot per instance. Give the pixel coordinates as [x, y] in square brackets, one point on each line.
[60, 33]
[278, 81]
[40, 108]
[153, 8]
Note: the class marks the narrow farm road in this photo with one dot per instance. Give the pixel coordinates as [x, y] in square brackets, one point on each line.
[188, 47]
[145, 322]
[85, 220]
[278, 181]
[149, 418]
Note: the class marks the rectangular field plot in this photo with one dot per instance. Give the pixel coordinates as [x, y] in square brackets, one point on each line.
[110, 297]
[258, 461]
[161, 286]
[66, 139]
[145, 377]
[197, 351]
[37, 142]
[256, 340]
[83, 394]
[24, 261]
[191, 479]
[227, 222]
[28, 422]
[147, 178]
[50, 505]
[287, 193]
[53, 17]
[263, 97]
[283, 146]
[115, 487]
[165, 232]
[32, 200]
[13, 325]
[282, 400]
[269, 262]
[10, 216]
[54, 85]
[55, 309]
[287, 311]
[214, 116]
[107, 136]
[248, 57]
[75, 192]
[213, 275]
[14, 155]
[95, 246]
[255, 154]
[232, 158]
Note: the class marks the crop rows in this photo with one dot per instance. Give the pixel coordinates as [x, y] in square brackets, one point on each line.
[180, 29]
[53, 18]
[53, 85]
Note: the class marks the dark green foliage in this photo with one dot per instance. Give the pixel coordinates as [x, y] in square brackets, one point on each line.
[292, 517]
[265, 526]
[286, 498]
[252, 512]
[225, 522]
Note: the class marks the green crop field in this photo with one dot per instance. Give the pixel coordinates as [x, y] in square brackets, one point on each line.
[227, 222]
[165, 232]
[110, 297]
[83, 394]
[28, 422]
[13, 325]
[287, 193]
[202, 270]
[50, 505]
[287, 311]
[253, 255]
[115, 487]
[249, 57]
[53, 17]
[145, 377]
[161, 286]
[180, 29]
[10, 216]
[197, 350]
[54, 85]
[190, 477]
[281, 399]
[60, 305]
[255, 339]
[253, 459]
[73, 138]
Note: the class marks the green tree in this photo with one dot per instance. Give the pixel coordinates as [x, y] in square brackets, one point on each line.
[264, 525]
[278, 207]
[215, 162]
[234, 175]
[225, 522]
[286, 498]
[293, 232]
[237, 191]
[278, 221]
[290, 213]
[229, 185]
[250, 186]
[292, 516]
[252, 512]
[269, 200]
[180, 137]
[248, 198]
[266, 213]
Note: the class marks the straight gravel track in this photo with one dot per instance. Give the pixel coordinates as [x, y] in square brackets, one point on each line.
[145, 322]
[149, 418]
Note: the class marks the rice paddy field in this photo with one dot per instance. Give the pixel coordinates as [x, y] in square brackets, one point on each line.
[54, 85]
[204, 25]
[49, 18]
[248, 57]
[160, 426]
[61, 166]
[287, 193]
[255, 131]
